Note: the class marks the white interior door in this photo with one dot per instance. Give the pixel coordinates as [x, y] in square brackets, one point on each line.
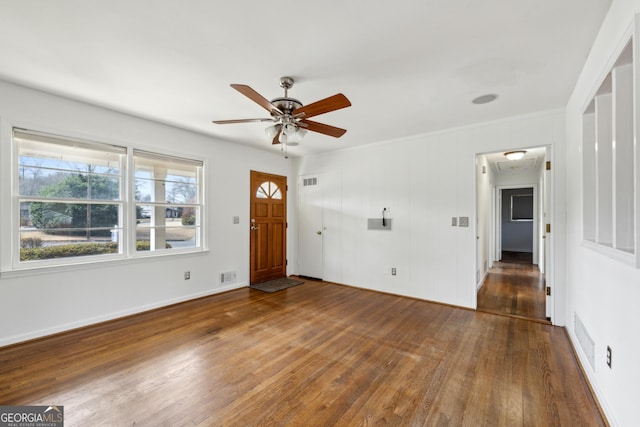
[310, 220]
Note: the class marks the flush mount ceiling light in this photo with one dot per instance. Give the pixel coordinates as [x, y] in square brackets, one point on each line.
[515, 155]
[485, 99]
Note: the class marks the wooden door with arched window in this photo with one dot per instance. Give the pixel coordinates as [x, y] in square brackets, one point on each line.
[268, 227]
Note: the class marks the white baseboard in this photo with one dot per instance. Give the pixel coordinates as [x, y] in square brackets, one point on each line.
[586, 368]
[15, 339]
[481, 282]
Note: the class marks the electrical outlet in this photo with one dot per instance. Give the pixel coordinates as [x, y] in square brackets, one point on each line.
[609, 357]
[393, 271]
[187, 275]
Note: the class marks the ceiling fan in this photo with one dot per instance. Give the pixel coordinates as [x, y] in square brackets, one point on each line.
[289, 116]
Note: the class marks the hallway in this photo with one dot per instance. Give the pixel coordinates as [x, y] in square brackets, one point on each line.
[514, 288]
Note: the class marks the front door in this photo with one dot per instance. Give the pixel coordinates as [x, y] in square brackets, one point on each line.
[268, 227]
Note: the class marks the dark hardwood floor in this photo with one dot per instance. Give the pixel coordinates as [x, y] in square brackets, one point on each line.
[315, 354]
[514, 287]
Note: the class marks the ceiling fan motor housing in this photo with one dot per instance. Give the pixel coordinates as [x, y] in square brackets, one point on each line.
[286, 104]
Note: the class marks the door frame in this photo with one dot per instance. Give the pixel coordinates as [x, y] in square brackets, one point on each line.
[498, 220]
[543, 237]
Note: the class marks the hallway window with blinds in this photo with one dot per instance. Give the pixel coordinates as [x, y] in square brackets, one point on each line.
[168, 202]
[69, 197]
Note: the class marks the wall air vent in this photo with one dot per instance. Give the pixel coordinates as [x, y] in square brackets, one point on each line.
[585, 340]
[229, 276]
[306, 182]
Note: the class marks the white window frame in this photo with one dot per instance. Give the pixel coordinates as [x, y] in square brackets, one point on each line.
[198, 204]
[127, 217]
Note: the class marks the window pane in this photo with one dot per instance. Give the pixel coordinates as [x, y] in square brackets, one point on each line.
[52, 167]
[163, 179]
[56, 183]
[62, 230]
[57, 216]
[38, 245]
[262, 193]
[268, 190]
[166, 226]
[172, 189]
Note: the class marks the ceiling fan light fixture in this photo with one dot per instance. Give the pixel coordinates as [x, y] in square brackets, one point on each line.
[289, 129]
[297, 136]
[515, 155]
[272, 130]
[283, 138]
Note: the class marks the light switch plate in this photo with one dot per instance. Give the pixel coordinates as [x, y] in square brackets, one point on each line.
[463, 221]
[454, 221]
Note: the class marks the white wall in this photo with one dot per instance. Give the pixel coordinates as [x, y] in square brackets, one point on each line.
[604, 292]
[423, 181]
[33, 305]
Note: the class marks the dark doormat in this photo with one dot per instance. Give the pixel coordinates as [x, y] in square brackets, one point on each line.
[276, 284]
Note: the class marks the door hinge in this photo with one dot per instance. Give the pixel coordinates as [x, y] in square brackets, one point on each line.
[286, 187]
[286, 225]
[548, 165]
[549, 291]
[286, 262]
[548, 228]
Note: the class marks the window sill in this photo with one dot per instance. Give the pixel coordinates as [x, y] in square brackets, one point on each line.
[93, 264]
[617, 254]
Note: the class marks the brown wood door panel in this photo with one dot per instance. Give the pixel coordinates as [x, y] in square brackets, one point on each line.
[262, 210]
[278, 245]
[262, 241]
[277, 211]
[269, 234]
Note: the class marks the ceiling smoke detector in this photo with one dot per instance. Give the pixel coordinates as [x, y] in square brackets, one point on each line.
[485, 99]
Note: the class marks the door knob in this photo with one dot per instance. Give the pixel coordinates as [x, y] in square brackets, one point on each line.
[253, 224]
[318, 232]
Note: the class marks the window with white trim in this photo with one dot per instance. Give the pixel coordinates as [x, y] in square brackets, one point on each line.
[71, 205]
[610, 164]
[168, 207]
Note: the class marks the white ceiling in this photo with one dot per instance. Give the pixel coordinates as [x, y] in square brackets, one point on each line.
[409, 66]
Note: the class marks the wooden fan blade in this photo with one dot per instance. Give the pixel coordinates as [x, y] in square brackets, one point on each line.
[257, 98]
[227, 122]
[331, 103]
[322, 128]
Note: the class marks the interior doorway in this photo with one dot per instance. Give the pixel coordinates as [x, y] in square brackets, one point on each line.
[517, 223]
[268, 245]
[512, 246]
